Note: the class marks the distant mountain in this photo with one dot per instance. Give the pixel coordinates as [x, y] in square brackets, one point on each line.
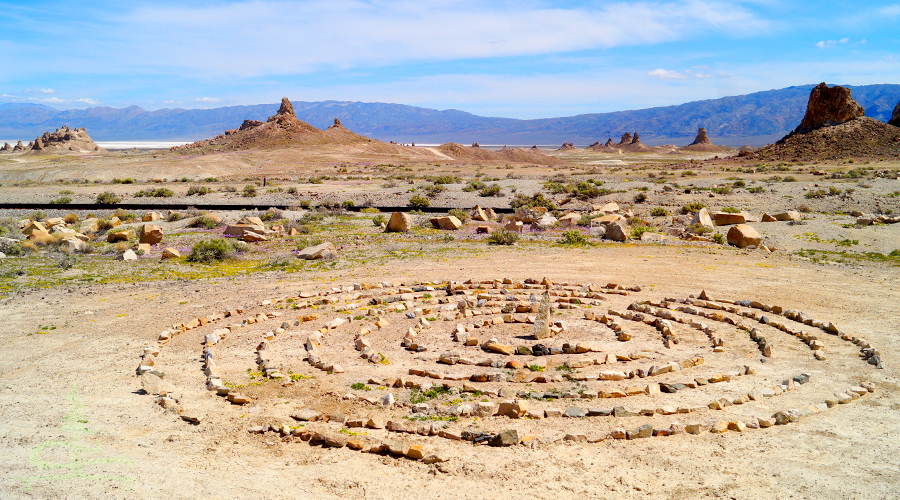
[755, 119]
[17, 105]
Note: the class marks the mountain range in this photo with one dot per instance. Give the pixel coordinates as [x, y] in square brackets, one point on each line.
[753, 119]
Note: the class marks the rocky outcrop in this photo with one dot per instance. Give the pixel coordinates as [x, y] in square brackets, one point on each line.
[701, 138]
[65, 139]
[286, 109]
[6, 148]
[636, 139]
[566, 145]
[895, 117]
[476, 145]
[703, 144]
[626, 139]
[248, 124]
[828, 107]
[609, 143]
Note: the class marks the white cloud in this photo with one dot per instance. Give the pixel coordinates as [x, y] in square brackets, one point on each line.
[269, 37]
[827, 44]
[38, 91]
[206, 99]
[665, 74]
[88, 100]
[54, 100]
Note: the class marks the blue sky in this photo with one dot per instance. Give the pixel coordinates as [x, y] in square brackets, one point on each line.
[520, 59]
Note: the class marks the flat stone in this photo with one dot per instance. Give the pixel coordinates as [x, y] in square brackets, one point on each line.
[508, 437]
[306, 415]
[574, 412]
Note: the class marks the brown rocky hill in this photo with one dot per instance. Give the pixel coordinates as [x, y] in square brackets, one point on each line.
[833, 128]
[702, 144]
[636, 146]
[895, 118]
[282, 129]
[62, 140]
[517, 155]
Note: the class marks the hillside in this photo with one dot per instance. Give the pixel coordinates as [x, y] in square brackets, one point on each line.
[756, 119]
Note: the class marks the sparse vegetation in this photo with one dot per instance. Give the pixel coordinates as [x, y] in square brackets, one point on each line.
[419, 202]
[108, 198]
[659, 212]
[249, 191]
[503, 236]
[573, 237]
[209, 251]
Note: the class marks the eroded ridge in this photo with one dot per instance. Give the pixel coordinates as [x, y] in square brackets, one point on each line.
[415, 369]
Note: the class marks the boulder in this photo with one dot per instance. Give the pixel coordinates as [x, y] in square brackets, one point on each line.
[479, 214]
[768, 218]
[91, 225]
[829, 106]
[54, 221]
[127, 255]
[152, 384]
[569, 220]
[241, 229]
[546, 221]
[120, 236]
[251, 221]
[530, 215]
[252, 237]
[152, 217]
[34, 227]
[170, 253]
[323, 251]
[609, 208]
[702, 217]
[792, 215]
[400, 223]
[728, 218]
[743, 236]
[151, 234]
[73, 245]
[615, 232]
[450, 223]
[515, 226]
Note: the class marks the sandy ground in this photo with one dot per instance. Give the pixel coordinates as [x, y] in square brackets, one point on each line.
[74, 424]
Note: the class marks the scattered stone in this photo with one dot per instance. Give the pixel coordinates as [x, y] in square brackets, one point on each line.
[324, 250]
[400, 222]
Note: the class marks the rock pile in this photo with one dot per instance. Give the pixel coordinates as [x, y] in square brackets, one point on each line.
[65, 139]
[829, 107]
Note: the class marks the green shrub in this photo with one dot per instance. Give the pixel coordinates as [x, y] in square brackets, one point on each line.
[447, 179]
[585, 220]
[462, 215]
[127, 180]
[14, 250]
[419, 202]
[659, 212]
[721, 190]
[756, 189]
[270, 215]
[503, 236]
[369, 210]
[107, 198]
[249, 191]
[492, 190]
[198, 190]
[731, 210]
[719, 238]
[573, 237]
[789, 178]
[692, 208]
[538, 200]
[378, 220]
[739, 184]
[209, 251]
[65, 200]
[204, 221]
[640, 197]
[473, 186]
[698, 229]
[316, 180]
[348, 204]
[638, 231]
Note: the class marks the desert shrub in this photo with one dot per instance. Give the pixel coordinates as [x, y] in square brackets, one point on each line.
[692, 208]
[203, 221]
[249, 191]
[316, 180]
[64, 200]
[198, 190]
[739, 183]
[434, 190]
[698, 229]
[538, 200]
[378, 220]
[211, 179]
[573, 237]
[228, 189]
[789, 178]
[419, 202]
[292, 190]
[66, 261]
[659, 212]
[369, 210]
[721, 190]
[730, 210]
[492, 190]
[347, 204]
[37, 215]
[640, 197]
[473, 185]
[638, 231]
[503, 236]
[13, 249]
[756, 189]
[719, 238]
[209, 251]
[447, 179]
[174, 216]
[818, 193]
[71, 218]
[271, 215]
[462, 215]
[127, 180]
[804, 209]
[155, 193]
[107, 198]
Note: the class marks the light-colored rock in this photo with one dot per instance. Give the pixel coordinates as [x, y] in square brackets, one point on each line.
[325, 250]
[448, 223]
[400, 222]
[788, 216]
[728, 218]
[151, 217]
[152, 384]
[253, 237]
[170, 253]
[127, 255]
[151, 234]
[743, 236]
[120, 236]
